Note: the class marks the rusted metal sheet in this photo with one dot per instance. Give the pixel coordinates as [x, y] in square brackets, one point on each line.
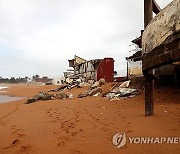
[106, 70]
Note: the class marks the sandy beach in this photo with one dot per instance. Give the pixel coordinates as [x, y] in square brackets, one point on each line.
[86, 125]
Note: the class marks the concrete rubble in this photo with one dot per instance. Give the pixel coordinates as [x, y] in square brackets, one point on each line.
[121, 91]
[47, 96]
[116, 92]
[95, 89]
[91, 92]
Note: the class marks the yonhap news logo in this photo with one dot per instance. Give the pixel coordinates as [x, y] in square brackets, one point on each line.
[120, 139]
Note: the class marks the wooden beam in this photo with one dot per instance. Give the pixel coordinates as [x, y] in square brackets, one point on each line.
[149, 95]
[162, 55]
[148, 14]
[149, 82]
[156, 7]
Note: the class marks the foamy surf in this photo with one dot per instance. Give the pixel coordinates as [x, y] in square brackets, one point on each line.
[3, 87]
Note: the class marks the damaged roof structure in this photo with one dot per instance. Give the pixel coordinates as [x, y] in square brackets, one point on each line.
[92, 70]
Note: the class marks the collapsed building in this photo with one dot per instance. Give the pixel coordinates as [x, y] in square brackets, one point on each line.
[92, 70]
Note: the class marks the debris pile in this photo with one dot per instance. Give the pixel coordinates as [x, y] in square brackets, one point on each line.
[95, 89]
[60, 88]
[91, 92]
[115, 93]
[71, 85]
[47, 96]
[122, 91]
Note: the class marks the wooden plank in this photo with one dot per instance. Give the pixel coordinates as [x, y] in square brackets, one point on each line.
[148, 14]
[163, 55]
[156, 7]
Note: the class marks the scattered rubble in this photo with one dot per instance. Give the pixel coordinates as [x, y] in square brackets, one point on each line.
[95, 89]
[118, 91]
[47, 96]
[102, 82]
[121, 91]
[93, 92]
[60, 88]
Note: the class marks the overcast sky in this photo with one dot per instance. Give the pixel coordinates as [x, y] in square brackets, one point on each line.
[39, 36]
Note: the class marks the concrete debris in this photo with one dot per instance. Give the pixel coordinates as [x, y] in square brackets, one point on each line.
[98, 83]
[40, 96]
[125, 84]
[61, 96]
[72, 86]
[93, 92]
[121, 92]
[95, 85]
[71, 96]
[82, 95]
[79, 83]
[102, 82]
[60, 88]
[68, 80]
[47, 96]
[96, 95]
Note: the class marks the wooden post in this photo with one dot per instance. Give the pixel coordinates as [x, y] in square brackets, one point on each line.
[149, 95]
[149, 82]
[148, 12]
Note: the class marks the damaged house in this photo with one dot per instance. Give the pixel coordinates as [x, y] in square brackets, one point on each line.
[165, 73]
[93, 70]
[134, 62]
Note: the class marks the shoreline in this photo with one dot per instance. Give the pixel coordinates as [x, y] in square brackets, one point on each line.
[4, 98]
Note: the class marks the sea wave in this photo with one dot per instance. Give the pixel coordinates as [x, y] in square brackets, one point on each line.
[3, 87]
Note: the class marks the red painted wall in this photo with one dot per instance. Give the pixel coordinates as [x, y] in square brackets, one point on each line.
[106, 70]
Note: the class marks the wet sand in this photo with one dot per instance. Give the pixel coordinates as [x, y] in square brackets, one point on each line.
[6, 98]
[86, 125]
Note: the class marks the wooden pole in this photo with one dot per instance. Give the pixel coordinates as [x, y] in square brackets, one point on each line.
[149, 82]
[148, 12]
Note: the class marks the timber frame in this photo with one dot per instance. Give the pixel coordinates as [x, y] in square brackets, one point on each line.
[158, 50]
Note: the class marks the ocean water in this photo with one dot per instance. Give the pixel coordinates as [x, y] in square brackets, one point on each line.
[7, 98]
[1, 87]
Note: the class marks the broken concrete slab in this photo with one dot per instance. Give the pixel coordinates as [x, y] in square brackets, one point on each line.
[94, 91]
[60, 88]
